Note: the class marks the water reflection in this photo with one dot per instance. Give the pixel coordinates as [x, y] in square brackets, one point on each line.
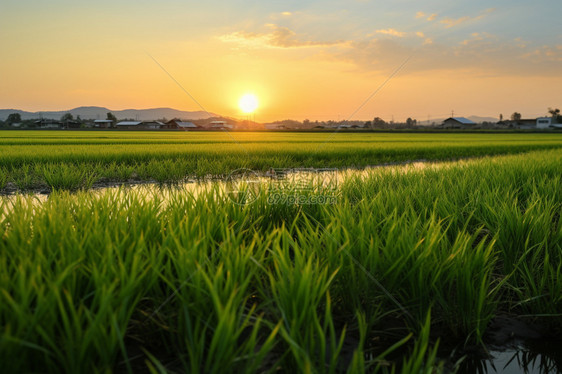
[285, 178]
[537, 357]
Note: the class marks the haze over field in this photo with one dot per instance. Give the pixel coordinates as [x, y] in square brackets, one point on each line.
[302, 59]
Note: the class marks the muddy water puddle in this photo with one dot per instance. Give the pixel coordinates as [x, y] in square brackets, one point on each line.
[526, 358]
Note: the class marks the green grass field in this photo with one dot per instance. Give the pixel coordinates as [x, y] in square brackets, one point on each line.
[73, 160]
[177, 279]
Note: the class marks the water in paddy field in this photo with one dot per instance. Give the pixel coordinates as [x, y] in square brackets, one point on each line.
[288, 176]
[515, 346]
[536, 358]
[279, 179]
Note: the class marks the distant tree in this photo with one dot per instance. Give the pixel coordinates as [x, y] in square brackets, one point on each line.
[13, 118]
[378, 122]
[112, 118]
[67, 117]
[78, 118]
[409, 122]
[501, 117]
[306, 122]
[555, 113]
[367, 124]
[516, 116]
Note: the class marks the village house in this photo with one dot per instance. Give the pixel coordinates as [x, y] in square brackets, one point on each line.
[128, 125]
[73, 124]
[177, 124]
[526, 123]
[540, 123]
[274, 126]
[103, 123]
[548, 123]
[48, 124]
[139, 125]
[458, 123]
[220, 125]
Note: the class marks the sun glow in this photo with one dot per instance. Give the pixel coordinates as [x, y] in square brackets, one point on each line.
[248, 103]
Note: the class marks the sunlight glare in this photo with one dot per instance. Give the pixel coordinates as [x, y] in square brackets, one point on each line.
[248, 103]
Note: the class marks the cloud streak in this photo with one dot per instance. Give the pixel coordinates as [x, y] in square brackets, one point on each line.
[392, 32]
[479, 52]
[428, 17]
[277, 37]
[452, 22]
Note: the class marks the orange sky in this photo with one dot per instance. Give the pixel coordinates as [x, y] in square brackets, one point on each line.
[301, 59]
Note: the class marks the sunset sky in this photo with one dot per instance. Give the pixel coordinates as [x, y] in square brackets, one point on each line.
[302, 59]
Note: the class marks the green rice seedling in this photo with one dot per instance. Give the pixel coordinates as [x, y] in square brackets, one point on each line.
[119, 172]
[167, 171]
[24, 178]
[540, 292]
[256, 151]
[467, 299]
[3, 178]
[63, 177]
[84, 295]
[536, 276]
[211, 331]
[299, 287]
[187, 279]
[423, 359]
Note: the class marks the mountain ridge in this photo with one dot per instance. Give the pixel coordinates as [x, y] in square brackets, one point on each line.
[97, 112]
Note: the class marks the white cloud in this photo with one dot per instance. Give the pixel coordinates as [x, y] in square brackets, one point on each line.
[451, 22]
[482, 53]
[277, 37]
[392, 32]
[479, 52]
[476, 37]
[428, 17]
[431, 17]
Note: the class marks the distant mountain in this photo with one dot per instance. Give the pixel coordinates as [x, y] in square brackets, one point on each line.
[96, 112]
[476, 119]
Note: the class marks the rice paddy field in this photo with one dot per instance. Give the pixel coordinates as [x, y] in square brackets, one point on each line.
[396, 270]
[39, 160]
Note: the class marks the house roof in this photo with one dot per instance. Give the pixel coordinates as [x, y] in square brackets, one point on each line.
[129, 123]
[464, 121]
[185, 124]
[103, 121]
[44, 121]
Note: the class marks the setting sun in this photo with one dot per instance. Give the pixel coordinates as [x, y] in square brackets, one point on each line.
[248, 103]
